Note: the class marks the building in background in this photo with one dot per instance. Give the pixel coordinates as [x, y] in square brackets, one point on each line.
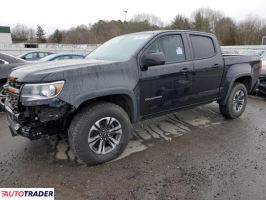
[5, 35]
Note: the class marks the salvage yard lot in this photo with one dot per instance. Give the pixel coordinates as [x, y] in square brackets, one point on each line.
[191, 154]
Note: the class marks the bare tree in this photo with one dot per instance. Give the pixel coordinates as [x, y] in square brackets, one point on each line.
[250, 30]
[20, 33]
[150, 18]
[226, 31]
[31, 35]
[206, 19]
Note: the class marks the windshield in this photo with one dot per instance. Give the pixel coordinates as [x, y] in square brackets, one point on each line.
[120, 48]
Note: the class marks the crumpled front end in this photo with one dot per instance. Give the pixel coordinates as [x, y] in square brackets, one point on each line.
[34, 122]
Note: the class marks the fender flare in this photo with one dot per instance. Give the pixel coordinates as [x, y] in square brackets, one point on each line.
[232, 82]
[110, 92]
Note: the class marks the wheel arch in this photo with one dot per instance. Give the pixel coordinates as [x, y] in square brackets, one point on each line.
[124, 100]
[245, 79]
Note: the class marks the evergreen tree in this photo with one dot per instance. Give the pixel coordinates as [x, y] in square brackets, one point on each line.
[180, 22]
[57, 36]
[40, 35]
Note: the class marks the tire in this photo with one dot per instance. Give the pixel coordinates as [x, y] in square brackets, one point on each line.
[236, 102]
[2, 98]
[100, 121]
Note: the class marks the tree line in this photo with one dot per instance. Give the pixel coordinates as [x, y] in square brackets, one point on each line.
[228, 31]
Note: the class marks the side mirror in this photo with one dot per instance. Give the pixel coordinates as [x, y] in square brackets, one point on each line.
[153, 59]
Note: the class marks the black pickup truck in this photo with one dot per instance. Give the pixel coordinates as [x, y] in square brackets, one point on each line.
[127, 79]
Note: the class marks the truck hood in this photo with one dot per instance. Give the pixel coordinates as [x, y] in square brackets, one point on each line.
[38, 71]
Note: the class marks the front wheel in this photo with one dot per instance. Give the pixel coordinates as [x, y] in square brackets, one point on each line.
[236, 102]
[99, 133]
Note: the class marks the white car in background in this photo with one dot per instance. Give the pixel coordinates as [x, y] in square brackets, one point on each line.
[262, 53]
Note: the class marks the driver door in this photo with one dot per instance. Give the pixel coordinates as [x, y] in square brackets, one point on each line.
[166, 87]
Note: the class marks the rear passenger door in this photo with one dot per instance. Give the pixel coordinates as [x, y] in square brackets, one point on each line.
[166, 87]
[208, 67]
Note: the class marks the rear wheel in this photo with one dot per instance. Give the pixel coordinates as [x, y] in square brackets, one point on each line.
[99, 133]
[236, 102]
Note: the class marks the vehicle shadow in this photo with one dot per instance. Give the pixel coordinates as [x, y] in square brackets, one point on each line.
[144, 133]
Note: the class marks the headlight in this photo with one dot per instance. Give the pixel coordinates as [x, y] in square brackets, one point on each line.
[41, 91]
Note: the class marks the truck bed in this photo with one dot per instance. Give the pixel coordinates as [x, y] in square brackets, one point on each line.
[237, 59]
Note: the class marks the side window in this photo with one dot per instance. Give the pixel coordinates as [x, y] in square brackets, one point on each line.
[171, 46]
[42, 54]
[31, 56]
[203, 46]
[63, 58]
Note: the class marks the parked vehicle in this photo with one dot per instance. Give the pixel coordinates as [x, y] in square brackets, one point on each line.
[127, 79]
[262, 78]
[7, 63]
[62, 56]
[35, 55]
[261, 86]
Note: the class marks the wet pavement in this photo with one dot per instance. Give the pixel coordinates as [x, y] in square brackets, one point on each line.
[191, 154]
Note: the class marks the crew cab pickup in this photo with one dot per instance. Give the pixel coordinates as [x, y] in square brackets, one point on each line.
[127, 79]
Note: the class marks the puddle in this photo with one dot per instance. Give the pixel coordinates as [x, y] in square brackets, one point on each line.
[162, 128]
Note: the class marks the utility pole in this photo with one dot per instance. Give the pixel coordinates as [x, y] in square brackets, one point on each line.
[125, 11]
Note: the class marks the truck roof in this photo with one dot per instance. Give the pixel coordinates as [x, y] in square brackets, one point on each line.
[166, 31]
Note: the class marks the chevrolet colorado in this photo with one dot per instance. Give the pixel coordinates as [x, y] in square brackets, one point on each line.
[127, 79]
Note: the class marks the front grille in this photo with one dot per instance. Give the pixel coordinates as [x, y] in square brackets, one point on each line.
[12, 98]
[15, 84]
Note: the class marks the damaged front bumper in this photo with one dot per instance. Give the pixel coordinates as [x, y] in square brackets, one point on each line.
[35, 122]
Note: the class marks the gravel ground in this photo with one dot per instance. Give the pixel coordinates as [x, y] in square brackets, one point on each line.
[192, 154]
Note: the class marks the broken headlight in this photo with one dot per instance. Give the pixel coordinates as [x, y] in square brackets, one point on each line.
[42, 91]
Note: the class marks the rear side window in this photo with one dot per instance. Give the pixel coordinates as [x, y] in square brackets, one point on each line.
[171, 46]
[42, 54]
[203, 46]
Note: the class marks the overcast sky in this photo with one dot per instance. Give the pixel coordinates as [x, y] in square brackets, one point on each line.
[63, 14]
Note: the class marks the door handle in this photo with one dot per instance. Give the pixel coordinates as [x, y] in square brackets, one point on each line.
[216, 66]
